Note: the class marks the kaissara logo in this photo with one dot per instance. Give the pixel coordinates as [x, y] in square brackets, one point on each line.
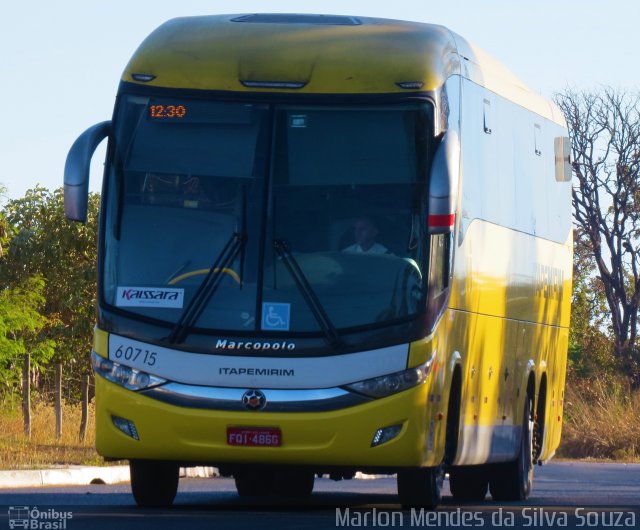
[150, 297]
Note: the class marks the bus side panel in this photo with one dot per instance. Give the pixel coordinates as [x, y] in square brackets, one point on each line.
[512, 274]
[509, 182]
[486, 432]
[556, 363]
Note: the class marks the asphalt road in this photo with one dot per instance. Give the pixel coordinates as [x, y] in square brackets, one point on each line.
[565, 495]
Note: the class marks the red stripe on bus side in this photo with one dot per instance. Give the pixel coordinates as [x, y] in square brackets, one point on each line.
[442, 220]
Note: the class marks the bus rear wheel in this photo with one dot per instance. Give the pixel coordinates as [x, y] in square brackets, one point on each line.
[420, 487]
[153, 483]
[469, 483]
[512, 481]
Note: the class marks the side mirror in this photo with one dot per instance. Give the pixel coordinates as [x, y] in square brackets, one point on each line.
[443, 184]
[76, 170]
[562, 149]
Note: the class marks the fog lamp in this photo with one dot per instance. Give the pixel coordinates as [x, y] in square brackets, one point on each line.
[126, 426]
[385, 434]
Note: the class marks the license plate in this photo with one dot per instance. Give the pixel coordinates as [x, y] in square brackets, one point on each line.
[254, 436]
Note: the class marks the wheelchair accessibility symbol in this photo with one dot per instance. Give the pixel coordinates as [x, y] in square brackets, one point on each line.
[275, 316]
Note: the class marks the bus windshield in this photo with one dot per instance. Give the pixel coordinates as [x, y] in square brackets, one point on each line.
[340, 189]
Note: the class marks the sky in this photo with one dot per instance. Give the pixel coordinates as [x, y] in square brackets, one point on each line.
[61, 62]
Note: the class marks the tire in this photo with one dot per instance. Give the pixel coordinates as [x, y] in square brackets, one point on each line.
[512, 481]
[420, 487]
[153, 483]
[469, 483]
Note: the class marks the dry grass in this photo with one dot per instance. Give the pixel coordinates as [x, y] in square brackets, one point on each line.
[602, 421]
[43, 450]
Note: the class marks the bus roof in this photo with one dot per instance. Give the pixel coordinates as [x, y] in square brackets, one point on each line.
[317, 54]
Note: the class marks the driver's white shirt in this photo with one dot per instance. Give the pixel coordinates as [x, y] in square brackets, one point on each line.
[376, 248]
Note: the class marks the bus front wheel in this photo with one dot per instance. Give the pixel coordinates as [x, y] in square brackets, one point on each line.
[153, 483]
[420, 487]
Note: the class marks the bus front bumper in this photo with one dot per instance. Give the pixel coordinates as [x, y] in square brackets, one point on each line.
[333, 438]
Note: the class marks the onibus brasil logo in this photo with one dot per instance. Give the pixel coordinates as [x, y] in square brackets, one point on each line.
[49, 519]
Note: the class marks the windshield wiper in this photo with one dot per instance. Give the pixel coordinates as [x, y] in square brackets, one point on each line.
[307, 292]
[207, 288]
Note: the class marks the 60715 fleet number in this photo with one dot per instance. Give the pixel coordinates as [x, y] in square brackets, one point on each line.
[129, 353]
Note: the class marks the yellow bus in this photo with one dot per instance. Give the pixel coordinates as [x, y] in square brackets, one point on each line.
[328, 244]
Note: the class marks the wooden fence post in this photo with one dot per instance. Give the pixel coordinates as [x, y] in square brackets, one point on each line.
[58, 401]
[26, 394]
[85, 408]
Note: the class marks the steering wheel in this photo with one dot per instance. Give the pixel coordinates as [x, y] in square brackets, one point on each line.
[202, 272]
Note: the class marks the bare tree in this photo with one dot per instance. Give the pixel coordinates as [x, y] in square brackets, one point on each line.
[605, 132]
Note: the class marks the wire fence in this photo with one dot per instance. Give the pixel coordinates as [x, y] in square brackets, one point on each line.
[52, 385]
[72, 386]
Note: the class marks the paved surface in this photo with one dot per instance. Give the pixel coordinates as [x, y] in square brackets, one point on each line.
[566, 495]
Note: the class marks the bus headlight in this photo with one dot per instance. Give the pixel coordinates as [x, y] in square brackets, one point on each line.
[386, 385]
[122, 375]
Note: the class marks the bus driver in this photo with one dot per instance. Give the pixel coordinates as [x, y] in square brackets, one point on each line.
[365, 233]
